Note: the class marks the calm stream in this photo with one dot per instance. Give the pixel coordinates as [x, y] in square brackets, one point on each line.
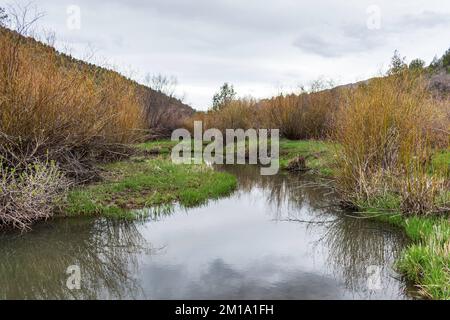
[276, 237]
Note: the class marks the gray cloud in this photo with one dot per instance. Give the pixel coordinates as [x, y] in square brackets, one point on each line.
[426, 19]
[355, 38]
[338, 43]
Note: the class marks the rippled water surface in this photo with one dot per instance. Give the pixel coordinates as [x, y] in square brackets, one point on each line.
[279, 237]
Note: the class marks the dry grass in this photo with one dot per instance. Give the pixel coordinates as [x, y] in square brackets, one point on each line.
[54, 111]
[388, 130]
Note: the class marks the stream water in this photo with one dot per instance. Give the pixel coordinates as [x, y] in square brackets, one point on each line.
[276, 237]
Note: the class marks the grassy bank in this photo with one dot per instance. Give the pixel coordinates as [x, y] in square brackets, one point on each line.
[319, 155]
[390, 165]
[426, 262]
[148, 182]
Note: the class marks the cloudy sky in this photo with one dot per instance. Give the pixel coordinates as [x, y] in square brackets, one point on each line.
[260, 46]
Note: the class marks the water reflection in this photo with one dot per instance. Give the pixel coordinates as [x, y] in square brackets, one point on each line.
[276, 237]
[351, 243]
[354, 244]
[286, 191]
[33, 265]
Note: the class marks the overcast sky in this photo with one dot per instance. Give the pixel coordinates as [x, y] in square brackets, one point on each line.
[260, 46]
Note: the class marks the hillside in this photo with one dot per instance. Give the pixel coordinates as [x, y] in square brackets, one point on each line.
[440, 82]
[163, 113]
[437, 75]
[55, 108]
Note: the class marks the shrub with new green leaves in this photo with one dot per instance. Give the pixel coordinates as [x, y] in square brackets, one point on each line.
[446, 60]
[417, 65]
[224, 97]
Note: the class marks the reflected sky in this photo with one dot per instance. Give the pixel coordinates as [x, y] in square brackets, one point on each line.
[278, 237]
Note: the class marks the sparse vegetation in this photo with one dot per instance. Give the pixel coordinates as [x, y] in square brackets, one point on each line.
[426, 261]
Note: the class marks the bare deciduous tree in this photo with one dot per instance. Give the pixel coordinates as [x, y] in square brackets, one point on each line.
[23, 17]
[3, 17]
[162, 83]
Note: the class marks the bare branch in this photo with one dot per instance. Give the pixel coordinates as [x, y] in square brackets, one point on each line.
[23, 17]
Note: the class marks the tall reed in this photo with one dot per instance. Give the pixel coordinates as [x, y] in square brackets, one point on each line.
[304, 116]
[238, 114]
[388, 130]
[50, 109]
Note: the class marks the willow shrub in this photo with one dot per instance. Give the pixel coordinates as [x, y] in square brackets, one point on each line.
[388, 130]
[304, 116]
[52, 109]
[238, 114]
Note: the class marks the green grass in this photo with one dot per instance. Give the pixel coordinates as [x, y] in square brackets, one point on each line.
[146, 183]
[441, 163]
[158, 146]
[426, 262]
[163, 147]
[319, 155]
